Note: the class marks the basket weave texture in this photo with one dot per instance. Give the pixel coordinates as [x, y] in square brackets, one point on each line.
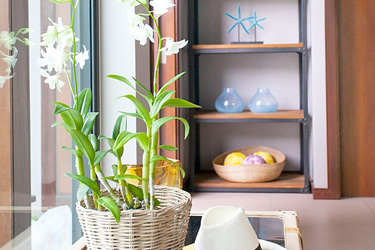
[162, 228]
[250, 173]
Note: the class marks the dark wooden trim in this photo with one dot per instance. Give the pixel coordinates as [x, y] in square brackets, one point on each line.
[333, 140]
[20, 123]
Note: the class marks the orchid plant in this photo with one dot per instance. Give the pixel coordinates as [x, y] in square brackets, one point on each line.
[60, 56]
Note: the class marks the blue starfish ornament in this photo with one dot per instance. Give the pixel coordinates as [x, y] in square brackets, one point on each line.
[238, 20]
[255, 21]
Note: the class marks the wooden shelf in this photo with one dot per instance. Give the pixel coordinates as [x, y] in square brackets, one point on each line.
[243, 48]
[207, 116]
[210, 181]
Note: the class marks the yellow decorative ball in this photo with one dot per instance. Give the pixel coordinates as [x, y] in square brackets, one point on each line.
[266, 156]
[235, 158]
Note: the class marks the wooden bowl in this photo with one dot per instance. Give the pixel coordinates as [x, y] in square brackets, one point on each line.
[250, 173]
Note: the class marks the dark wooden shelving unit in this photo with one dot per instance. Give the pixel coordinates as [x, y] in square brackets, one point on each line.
[199, 180]
[247, 48]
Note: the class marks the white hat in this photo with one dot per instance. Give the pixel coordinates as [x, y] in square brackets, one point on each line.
[226, 228]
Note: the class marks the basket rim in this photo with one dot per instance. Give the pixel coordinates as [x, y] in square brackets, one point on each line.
[245, 148]
[140, 211]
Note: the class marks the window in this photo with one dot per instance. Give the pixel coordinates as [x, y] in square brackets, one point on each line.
[35, 197]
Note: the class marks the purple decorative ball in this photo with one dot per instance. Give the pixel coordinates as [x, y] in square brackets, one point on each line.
[253, 160]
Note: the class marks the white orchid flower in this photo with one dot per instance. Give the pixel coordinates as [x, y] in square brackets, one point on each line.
[3, 79]
[8, 39]
[82, 57]
[133, 2]
[141, 32]
[58, 33]
[135, 19]
[172, 47]
[160, 7]
[54, 81]
[10, 60]
[53, 58]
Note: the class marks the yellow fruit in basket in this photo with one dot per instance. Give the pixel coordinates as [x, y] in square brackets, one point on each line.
[266, 156]
[235, 158]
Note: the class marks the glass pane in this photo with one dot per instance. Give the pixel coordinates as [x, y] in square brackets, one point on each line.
[46, 221]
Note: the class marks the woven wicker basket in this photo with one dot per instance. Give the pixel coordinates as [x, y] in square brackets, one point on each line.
[163, 228]
[250, 173]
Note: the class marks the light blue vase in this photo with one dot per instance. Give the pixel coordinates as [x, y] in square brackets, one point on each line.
[263, 102]
[229, 102]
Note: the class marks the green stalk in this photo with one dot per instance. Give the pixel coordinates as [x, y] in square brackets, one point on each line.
[154, 148]
[126, 195]
[108, 187]
[93, 177]
[146, 170]
[81, 171]
[74, 7]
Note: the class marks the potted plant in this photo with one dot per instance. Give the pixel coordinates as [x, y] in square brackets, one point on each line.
[130, 217]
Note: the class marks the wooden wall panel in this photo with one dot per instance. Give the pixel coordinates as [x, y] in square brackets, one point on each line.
[169, 68]
[357, 104]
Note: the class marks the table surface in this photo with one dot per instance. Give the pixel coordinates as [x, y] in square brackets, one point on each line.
[280, 227]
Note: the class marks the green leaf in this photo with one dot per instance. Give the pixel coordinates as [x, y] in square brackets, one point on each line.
[111, 205]
[122, 139]
[94, 141]
[179, 103]
[110, 178]
[55, 124]
[131, 114]
[82, 190]
[159, 101]
[72, 119]
[99, 155]
[59, 107]
[148, 98]
[84, 144]
[118, 153]
[168, 147]
[86, 181]
[73, 151]
[127, 176]
[143, 87]
[143, 140]
[136, 191]
[170, 82]
[84, 101]
[60, 1]
[160, 122]
[89, 122]
[162, 158]
[120, 126]
[141, 110]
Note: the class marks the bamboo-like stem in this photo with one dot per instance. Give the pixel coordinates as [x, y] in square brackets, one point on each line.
[74, 7]
[154, 148]
[93, 177]
[146, 169]
[81, 171]
[123, 187]
[108, 187]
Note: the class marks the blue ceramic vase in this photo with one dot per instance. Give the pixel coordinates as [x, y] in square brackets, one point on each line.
[229, 102]
[263, 102]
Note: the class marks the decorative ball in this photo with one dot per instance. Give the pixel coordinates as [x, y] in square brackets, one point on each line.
[235, 158]
[266, 156]
[253, 160]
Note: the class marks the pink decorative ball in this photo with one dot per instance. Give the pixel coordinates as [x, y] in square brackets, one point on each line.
[253, 160]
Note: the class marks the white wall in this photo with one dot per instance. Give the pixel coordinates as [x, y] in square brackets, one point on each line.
[318, 86]
[117, 57]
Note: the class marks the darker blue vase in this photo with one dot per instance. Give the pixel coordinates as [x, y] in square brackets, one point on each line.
[263, 102]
